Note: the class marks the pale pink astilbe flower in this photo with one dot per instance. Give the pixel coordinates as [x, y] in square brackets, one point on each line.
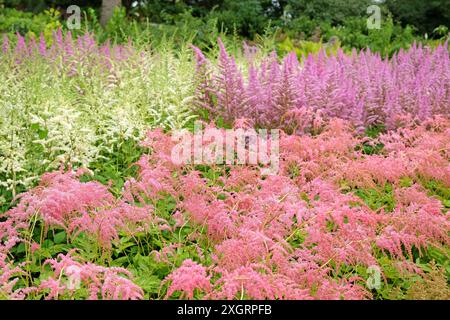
[245, 281]
[417, 195]
[59, 198]
[256, 282]
[336, 231]
[246, 249]
[9, 275]
[214, 216]
[374, 170]
[101, 282]
[54, 287]
[330, 290]
[166, 254]
[10, 235]
[188, 278]
[116, 287]
[423, 149]
[283, 236]
[105, 223]
[311, 157]
[253, 222]
[153, 184]
[240, 177]
[161, 144]
[416, 226]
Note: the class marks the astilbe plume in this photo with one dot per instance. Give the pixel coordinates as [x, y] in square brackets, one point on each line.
[362, 88]
[9, 275]
[107, 283]
[282, 236]
[419, 152]
[187, 278]
[84, 51]
[62, 201]
[59, 198]
[339, 229]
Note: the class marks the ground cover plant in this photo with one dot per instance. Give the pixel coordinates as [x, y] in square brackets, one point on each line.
[95, 204]
[187, 231]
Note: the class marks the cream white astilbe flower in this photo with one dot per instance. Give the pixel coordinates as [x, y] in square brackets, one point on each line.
[76, 112]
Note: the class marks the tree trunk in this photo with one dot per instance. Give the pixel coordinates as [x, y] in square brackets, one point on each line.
[108, 10]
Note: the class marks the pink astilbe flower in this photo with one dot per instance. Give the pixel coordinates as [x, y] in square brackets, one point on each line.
[249, 283]
[60, 197]
[190, 276]
[42, 45]
[106, 223]
[9, 275]
[413, 226]
[101, 282]
[303, 233]
[250, 248]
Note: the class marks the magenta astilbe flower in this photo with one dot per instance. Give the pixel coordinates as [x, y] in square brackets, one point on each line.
[229, 86]
[32, 45]
[83, 51]
[363, 88]
[21, 51]
[42, 45]
[68, 45]
[59, 39]
[5, 44]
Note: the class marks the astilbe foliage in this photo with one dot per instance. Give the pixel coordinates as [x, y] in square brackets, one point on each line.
[299, 234]
[363, 88]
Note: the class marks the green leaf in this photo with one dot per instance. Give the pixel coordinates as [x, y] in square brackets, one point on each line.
[20, 248]
[446, 203]
[60, 237]
[148, 282]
